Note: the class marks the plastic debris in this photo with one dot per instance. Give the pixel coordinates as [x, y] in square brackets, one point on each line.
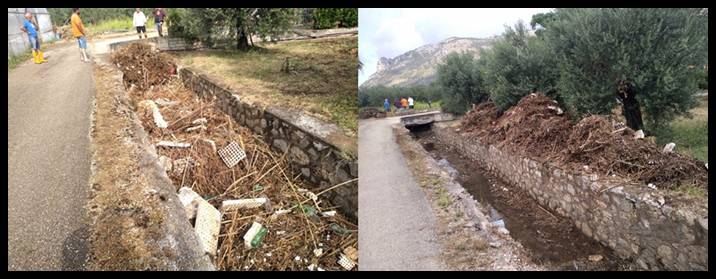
[595, 258]
[166, 163]
[257, 187]
[556, 109]
[499, 223]
[318, 252]
[651, 185]
[279, 213]
[297, 258]
[639, 134]
[229, 205]
[338, 228]
[311, 267]
[309, 210]
[254, 235]
[164, 102]
[669, 147]
[208, 224]
[200, 127]
[345, 262]
[328, 213]
[190, 200]
[165, 143]
[351, 252]
[232, 154]
[199, 121]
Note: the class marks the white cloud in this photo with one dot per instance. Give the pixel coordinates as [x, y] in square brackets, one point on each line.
[391, 32]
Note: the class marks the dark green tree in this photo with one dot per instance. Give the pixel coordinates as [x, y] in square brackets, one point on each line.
[516, 65]
[210, 24]
[460, 82]
[638, 58]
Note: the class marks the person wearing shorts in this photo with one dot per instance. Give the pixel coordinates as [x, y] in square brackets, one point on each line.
[140, 22]
[30, 27]
[79, 32]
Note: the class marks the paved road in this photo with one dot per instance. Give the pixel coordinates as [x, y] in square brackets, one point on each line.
[49, 108]
[397, 225]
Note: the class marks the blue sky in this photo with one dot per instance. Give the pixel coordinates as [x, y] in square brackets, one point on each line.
[391, 32]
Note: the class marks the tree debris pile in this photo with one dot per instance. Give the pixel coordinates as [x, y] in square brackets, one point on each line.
[370, 112]
[538, 128]
[300, 230]
[143, 67]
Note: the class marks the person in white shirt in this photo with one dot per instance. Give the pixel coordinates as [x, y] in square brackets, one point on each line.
[410, 102]
[140, 22]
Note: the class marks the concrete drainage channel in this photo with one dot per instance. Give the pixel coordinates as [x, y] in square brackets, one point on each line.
[552, 241]
[567, 220]
[271, 207]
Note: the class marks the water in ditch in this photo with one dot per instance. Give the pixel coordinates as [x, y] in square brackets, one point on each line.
[551, 240]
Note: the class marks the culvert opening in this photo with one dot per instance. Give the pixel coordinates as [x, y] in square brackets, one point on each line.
[304, 231]
[550, 239]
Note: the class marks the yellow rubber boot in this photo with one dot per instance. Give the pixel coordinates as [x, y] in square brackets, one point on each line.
[34, 57]
[41, 57]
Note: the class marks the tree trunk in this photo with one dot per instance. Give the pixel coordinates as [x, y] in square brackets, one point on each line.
[631, 108]
[242, 42]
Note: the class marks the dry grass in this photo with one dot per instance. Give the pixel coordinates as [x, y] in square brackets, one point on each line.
[322, 76]
[263, 173]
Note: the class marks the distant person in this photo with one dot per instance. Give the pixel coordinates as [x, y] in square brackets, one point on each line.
[396, 103]
[386, 105]
[79, 32]
[429, 104]
[30, 27]
[411, 103]
[159, 20]
[404, 103]
[140, 22]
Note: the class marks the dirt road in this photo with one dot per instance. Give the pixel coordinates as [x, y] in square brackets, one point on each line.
[397, 225]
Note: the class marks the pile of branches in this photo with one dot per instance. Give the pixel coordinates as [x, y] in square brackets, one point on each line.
[143, 67]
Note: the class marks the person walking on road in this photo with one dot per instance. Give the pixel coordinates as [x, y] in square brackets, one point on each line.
[396, 103]
[79, 32]
[30, 27]
[386, 105]
[411, 103]
[140, 22]
[159, 20]
[404, 103]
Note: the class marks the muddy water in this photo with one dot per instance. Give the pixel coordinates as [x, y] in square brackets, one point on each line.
[552, 240]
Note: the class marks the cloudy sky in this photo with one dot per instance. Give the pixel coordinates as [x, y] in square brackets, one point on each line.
[391, 32]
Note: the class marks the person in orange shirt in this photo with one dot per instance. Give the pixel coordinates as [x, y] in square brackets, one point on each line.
[404, 103]
[79, 32]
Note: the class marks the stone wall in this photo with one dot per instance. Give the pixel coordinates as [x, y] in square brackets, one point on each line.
[635, 221]
[318, 150]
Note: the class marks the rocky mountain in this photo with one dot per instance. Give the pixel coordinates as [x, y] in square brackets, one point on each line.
[419, 66]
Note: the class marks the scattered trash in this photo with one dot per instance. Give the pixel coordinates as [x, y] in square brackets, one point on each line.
[661, 200]
[200, 127]
[669, 147]
[505, 189]
[318, 252]
[345, 262]
[166, 163]
[556, 109]
[229, 205]
[499, 223]
[297, 258]
[279, 213]
[164, 143]
[351, 252]
[309, 210]
[503, 231]
[595, 258]
[706, 165]
[311, 267]
[639, 134]
[328, 213]
[190, 200]
[338, 228]
[495, 244]
[199, 121]
[651, 185]
[208, 223]
[257, 187]
[280, 232]
[312, 196]
[253, 237]
[164, 102]
[320, 269]
[232, 154]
